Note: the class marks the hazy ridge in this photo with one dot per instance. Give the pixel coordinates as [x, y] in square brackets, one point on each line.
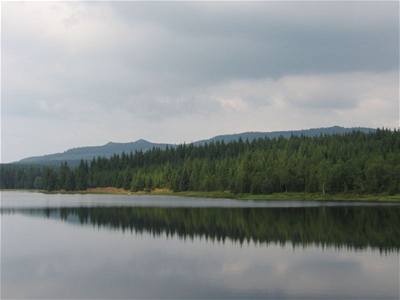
[74, 155]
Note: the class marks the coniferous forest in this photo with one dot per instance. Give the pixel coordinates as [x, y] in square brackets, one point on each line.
[350, 163]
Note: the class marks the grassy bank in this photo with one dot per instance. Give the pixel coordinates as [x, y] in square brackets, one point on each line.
[229, 195]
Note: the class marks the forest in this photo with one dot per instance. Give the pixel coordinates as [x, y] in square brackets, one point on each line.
[349, 163]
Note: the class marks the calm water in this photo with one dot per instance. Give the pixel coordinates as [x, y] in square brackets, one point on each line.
[89, 246]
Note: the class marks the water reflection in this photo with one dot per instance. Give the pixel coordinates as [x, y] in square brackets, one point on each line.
[56, 247]
[348, 227]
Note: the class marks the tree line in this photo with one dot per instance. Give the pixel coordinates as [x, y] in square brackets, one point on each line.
[351, 163]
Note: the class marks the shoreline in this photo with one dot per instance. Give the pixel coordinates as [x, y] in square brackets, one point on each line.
[228, 195]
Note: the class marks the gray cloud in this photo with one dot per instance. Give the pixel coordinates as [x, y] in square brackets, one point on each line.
[276, 38]
[181, 71]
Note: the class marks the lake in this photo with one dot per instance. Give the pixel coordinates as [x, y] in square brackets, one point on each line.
[158, 247]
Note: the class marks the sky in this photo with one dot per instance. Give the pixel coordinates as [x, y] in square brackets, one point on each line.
[86, 73]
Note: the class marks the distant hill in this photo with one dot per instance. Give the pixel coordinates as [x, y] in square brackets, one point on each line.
[275, 134]
[73, 156]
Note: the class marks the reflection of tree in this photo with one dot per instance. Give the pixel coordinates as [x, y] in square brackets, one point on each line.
[355, 227]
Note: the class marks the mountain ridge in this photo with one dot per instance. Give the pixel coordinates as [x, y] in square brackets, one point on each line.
[251, 135]
[74, 155]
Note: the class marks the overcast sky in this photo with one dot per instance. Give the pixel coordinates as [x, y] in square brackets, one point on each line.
[76, 74]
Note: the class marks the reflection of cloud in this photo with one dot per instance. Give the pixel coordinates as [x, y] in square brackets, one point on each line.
[38, 261]
[232, 268]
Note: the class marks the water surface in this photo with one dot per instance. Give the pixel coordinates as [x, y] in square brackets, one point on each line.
[114, 247]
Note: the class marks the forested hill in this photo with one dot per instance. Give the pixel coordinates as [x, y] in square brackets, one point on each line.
[275, 134]
[73, 156]
[355, 162]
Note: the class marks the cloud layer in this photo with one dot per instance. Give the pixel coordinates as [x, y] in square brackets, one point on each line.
[85, 73]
